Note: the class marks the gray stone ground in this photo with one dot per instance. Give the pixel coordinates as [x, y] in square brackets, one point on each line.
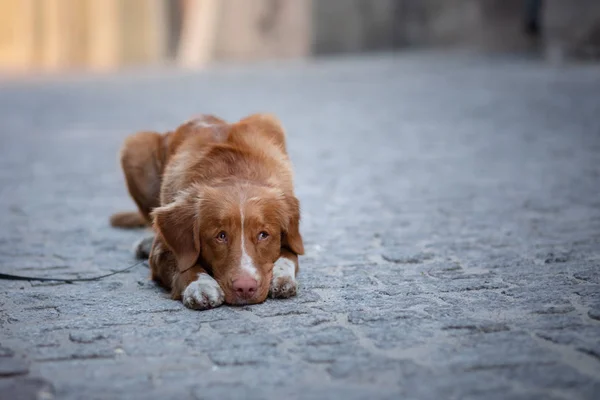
[451, 209]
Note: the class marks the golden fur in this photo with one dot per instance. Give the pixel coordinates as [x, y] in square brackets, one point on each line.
[198, 186]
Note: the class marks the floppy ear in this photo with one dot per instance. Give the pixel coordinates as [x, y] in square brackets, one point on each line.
[269, 126]
[177, 223]
[291, 236]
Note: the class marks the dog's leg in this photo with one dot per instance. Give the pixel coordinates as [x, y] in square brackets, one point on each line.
[143, 247]
[201, 290]
[283, 284]
[195, 288]
[142, 159]
[128, 219]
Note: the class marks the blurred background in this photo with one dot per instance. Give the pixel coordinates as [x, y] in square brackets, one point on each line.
[101, 35]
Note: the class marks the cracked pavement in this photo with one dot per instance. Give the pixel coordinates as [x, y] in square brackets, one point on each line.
[451, 216]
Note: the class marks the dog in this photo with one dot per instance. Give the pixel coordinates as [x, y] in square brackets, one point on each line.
[221, 201]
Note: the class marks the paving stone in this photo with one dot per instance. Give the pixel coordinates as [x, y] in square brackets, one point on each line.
[594, 312]
[328, 336]
[6, 352]
[376, 370]
[27, 389]
[400, 257]
[450, 215]
[86, 337]
[553, 376]
[330, 352]
[10, 366]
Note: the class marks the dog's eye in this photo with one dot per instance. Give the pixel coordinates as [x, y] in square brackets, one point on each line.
[263, 235]
[222, 236]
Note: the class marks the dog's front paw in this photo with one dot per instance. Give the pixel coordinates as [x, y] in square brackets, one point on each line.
[203, 293]
[283, 284]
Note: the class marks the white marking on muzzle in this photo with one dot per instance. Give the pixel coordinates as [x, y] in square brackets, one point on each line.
[246, 262]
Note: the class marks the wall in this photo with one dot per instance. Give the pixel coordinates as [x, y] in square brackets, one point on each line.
[107, 34]
[69, 34]
[572, 29]
[258, 29]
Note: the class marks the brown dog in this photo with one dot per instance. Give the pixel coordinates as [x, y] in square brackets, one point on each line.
[221, 200]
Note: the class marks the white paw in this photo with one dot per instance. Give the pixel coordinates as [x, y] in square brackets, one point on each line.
[203, 293]
[283, 284]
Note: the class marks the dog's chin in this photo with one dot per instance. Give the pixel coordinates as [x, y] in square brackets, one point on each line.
[236, 301]
[241, 302]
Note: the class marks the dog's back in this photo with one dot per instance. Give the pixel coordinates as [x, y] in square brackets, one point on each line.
[208, 150]
[252, 150]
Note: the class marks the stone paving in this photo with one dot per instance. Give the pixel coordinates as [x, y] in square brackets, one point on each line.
[451, 216]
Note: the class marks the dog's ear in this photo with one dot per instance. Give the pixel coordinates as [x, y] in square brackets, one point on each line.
[178, 225]
[291, 235]
[268, 125]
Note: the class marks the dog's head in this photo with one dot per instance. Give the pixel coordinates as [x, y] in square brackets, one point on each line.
[236, 231]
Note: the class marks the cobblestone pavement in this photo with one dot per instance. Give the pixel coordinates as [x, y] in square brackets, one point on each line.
[451, 215]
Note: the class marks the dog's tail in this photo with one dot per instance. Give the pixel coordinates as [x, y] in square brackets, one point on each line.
[128, 220]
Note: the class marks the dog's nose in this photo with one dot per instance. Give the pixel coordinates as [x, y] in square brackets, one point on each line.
[245, 287]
